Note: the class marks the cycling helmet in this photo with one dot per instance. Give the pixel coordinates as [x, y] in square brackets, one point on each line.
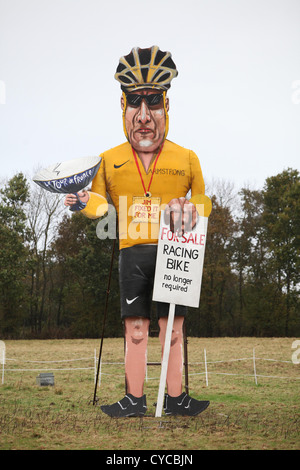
[146, 68]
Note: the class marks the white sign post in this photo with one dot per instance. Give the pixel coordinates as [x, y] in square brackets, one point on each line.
[178, 278]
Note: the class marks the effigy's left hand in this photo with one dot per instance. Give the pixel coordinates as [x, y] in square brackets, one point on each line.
[182, 215]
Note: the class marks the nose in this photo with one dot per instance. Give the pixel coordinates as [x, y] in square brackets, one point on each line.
[143, 114]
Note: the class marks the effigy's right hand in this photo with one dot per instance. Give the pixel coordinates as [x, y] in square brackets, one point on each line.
[71, 199]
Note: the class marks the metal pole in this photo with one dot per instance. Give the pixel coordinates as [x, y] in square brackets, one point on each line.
[185, 348]
[206, 374]
[3, 362]
[104, 320]
[126, 387]
[254, 367]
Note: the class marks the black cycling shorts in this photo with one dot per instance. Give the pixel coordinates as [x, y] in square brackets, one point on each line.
[136, 278]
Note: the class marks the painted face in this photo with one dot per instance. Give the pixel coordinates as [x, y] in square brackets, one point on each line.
[145, 125]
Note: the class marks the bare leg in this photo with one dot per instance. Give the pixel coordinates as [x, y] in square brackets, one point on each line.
[175, 367]
[136, 339]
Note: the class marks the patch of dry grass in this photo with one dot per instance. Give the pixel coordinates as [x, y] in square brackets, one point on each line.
[242, 415]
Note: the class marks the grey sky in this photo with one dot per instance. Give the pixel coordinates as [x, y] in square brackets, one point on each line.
[235, 102]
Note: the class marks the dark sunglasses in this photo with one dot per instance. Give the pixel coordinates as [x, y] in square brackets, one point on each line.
[135, 100]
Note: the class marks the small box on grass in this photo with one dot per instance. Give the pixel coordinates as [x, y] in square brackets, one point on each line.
[46, 378]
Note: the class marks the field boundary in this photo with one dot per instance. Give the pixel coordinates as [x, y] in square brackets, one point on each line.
[205, 363]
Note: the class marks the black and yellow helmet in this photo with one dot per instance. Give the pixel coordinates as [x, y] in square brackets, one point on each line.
[146, 68]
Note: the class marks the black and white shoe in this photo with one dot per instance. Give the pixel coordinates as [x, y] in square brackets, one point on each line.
[128, 406]
[183, 405]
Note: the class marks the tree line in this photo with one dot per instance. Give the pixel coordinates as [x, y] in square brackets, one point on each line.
[54, 269]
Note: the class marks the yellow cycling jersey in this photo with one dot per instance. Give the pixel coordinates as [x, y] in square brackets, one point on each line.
[173, 174]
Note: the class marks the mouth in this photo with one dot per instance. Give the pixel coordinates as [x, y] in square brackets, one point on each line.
[144, 131]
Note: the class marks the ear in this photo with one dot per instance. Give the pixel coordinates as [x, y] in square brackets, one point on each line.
[167, 104]
[122, 103]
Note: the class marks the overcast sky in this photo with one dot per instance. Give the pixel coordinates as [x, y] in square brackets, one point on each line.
[235, 102]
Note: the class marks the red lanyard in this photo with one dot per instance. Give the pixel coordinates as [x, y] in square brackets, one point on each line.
[146, 192]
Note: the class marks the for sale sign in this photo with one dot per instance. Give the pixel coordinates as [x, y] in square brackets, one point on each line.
[179, 264]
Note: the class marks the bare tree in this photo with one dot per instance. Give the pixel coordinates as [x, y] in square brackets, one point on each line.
[224, 192]
[44, 212]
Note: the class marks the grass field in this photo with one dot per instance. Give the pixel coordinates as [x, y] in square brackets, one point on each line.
[242, 414]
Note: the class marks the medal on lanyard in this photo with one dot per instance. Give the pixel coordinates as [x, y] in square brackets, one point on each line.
[146, 209]
[146, 192]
